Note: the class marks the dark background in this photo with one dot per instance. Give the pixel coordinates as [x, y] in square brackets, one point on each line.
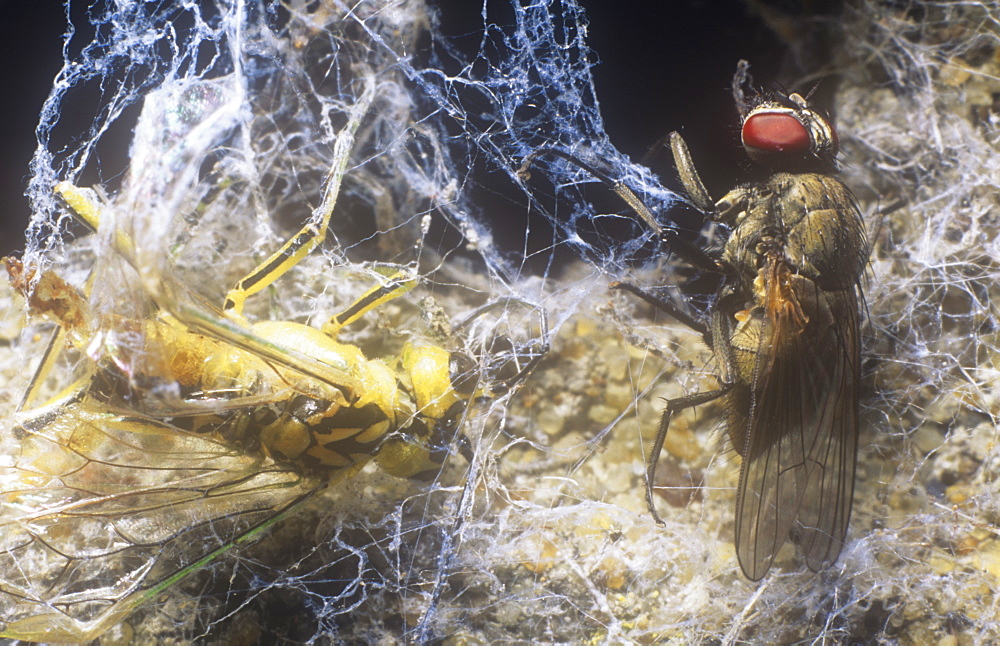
[664, 65]
[30, 56]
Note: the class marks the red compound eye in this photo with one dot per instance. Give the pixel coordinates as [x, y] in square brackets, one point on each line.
[775, 132]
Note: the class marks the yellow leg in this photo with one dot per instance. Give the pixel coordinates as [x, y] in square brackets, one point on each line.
[293, 251]
[86, 207]
[396, 284]
[314, 232]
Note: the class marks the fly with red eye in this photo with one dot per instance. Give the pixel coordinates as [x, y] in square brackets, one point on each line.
[784, 325]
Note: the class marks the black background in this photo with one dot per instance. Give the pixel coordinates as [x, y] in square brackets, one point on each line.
[664, 65]
[30, 57]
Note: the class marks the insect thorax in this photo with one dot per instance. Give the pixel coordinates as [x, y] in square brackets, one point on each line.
[810, 219]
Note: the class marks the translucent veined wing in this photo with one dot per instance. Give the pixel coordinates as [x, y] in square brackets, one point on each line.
[102, 509]
[801, 432]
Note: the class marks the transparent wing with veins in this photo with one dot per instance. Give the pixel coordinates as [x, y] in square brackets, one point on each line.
[798, 471]
[91, 495]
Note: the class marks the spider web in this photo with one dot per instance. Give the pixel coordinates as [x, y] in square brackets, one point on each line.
[234, 114]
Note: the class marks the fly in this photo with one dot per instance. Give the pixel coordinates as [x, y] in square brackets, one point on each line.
[784, 325]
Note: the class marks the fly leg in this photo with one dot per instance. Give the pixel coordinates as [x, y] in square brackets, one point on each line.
[668, 308]
[680, 403]
[672, 406]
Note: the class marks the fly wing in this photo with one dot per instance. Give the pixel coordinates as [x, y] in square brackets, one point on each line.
[802, 429]
[100, 511]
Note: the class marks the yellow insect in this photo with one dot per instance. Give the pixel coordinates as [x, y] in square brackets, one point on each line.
[165, 455]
